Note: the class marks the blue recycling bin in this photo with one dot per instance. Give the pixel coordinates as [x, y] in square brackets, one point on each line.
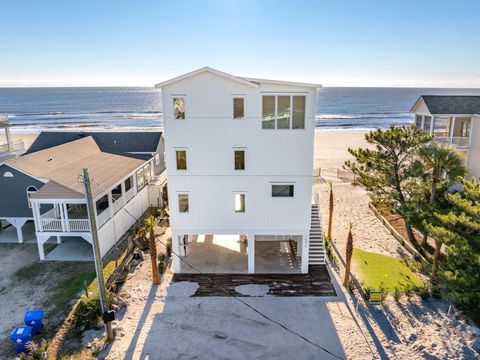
[20, 336]
[34, 318]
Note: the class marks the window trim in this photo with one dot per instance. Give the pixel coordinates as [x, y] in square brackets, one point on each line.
[184, 97]
[238, 96]
[282, 184]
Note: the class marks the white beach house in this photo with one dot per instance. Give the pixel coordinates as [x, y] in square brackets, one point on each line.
[9, 148]
[239, 155]
[452, 120]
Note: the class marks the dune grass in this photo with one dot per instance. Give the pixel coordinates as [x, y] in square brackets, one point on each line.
[376, 271]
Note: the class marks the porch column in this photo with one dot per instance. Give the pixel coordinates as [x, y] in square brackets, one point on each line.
[59, 239]
[432, 125]
[176, 237]
[305, 253]
[41, 239]
[19, 233]
[64, 210]
[9, 138]
[251, 253]
[37, 217]
[452, 130]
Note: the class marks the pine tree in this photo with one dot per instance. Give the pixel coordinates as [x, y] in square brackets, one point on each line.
[389, 170]
[348, 256]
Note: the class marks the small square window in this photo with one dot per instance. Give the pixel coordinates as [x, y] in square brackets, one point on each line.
[181, 159]
[183, 203]
[282, 190]
[238, 108]
[239, 203]
[239, 159]
[179, 108]
[268, 112]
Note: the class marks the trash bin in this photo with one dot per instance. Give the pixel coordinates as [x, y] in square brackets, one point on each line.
[20, 336]
[34, 318]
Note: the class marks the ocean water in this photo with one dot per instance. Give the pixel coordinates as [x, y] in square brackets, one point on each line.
[33, 109]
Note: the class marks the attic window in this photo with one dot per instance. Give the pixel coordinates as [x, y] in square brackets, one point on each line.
[7, 174]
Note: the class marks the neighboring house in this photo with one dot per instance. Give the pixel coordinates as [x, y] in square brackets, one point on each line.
[452, 120]
[139, 144]
[9, 148]
[239, 153]
[46, 186]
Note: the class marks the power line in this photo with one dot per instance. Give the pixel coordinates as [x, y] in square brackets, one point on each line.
[250, 306]
[237, 298]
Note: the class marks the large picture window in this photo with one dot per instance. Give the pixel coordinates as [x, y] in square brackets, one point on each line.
[179, 108]
[283, 112]
[268, 112]
[282, 190]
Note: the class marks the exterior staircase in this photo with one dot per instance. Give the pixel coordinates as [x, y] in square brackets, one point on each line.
[316, 250]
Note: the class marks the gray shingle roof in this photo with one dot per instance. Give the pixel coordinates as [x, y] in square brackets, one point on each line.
[452, 104]
[120, 143]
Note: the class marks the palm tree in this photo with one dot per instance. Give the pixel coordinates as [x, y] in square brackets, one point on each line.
[330, 213]
[442, 163]
[150, 223]
[348, 256]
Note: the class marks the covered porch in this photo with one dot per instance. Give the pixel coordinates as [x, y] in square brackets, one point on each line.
[447, 130]
[238, 254]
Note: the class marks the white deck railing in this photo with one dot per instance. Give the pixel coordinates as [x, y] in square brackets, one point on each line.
[79, 225]
[70, 225]
[15, 146]
[458, 141]
[51, 224]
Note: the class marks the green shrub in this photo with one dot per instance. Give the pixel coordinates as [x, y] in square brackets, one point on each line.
[425, 292]
[397, 294]
[366, 291]
[409, 291]
[328, 247]
[383, 291]
[161, 266]
[86, 314]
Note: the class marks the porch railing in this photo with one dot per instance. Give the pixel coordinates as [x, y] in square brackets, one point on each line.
[15, 146]
[459, 141]
[73, 225]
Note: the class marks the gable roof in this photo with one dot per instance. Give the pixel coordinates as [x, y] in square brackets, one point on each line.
[63, 165]
[451, 104]
[205, 70]
[120, 143]
[253, 82]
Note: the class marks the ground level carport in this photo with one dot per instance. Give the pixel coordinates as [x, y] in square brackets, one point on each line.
[16, 230]
[229, 254]
[65, 248]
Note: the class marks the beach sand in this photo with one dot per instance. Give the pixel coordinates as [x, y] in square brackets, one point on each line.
[28, 139]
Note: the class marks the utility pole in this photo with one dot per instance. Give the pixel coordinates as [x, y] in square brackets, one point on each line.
[98, 257]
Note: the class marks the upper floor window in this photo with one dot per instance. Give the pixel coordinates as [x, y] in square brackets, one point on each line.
[283, 112]
[30, 190]
[181, 156]
[102, 204]
[282, 190]
[128, 184]
[183, 203]
[238, 108]
[239, 159]
[179, 108]
[427, 123]
[418, 121]
[140, 179]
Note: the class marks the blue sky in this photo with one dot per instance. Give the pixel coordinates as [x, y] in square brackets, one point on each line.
[336, 43]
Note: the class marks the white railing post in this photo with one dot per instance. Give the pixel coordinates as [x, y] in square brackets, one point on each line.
[452, 129]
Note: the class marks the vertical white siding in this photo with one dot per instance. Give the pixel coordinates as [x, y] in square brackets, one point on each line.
[210, 134]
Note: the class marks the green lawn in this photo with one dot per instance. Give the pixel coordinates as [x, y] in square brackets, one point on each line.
[374, 269]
